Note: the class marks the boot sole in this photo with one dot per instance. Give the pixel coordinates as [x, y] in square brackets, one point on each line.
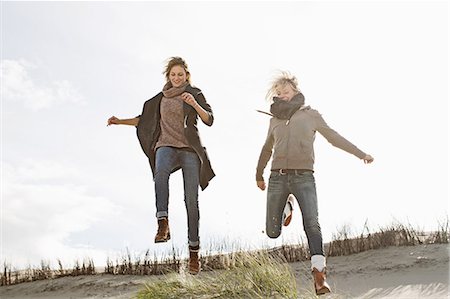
[287, 220]
[163, 240]
[323, 291]
[194, 273]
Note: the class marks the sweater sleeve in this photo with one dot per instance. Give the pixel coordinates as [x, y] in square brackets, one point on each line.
[264, 157]
[201, 100]
[335, 138]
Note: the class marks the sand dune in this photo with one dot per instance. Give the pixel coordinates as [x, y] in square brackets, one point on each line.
[396, 272]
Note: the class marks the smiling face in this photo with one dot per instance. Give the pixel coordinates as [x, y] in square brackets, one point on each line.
[285, 92]
[177, 76]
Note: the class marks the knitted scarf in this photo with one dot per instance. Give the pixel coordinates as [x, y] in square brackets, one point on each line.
[169, 91]
[285, 109]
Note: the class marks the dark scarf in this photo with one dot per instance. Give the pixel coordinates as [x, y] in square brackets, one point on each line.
[170, 92]
[284, 110]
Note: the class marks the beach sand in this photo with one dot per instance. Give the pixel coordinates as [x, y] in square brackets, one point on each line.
[420, 271]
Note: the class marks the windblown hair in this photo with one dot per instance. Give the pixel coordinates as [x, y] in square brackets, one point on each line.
[283, 79]
[173, 61]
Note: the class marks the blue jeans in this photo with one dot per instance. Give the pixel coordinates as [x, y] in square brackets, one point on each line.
[167, 159]
[303, 187]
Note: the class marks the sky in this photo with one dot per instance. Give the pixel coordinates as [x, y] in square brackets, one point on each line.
[72, 188]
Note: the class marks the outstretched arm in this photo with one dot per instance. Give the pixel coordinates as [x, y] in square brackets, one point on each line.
[128, 121]
[338, 141]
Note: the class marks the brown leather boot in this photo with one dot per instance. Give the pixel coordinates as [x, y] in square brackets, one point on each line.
[194, 262]
[320, 284]
[163, 234]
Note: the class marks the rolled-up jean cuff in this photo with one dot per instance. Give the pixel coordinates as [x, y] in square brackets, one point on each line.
[162, 214]
[194, 243]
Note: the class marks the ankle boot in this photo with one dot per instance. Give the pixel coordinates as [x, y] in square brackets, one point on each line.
[320, 283]
[194, 262]
[163, 234]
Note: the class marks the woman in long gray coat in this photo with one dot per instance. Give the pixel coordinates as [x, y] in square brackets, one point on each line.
[168, 134]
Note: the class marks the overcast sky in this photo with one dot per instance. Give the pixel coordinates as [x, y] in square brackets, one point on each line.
[73, 187]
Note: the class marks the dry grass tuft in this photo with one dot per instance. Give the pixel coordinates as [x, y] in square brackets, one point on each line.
[9, 277]
[396, 234]
[249, 275]
[144, 266]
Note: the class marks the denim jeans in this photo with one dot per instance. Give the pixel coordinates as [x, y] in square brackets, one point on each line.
[168, 158]
[303, 187]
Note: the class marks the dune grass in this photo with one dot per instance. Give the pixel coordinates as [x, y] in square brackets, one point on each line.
[343, 243]
[396, 234]
[9, 277]
[146, 265]
[250, 275]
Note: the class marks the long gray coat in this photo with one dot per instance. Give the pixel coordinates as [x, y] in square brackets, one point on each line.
[148, 131]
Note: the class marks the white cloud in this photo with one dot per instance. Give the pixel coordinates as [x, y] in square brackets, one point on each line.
[19, 85]
[39, 215]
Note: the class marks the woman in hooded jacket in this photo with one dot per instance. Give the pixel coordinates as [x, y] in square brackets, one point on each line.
[289, 142]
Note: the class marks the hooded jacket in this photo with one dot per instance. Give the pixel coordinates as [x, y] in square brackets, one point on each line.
[148, 131]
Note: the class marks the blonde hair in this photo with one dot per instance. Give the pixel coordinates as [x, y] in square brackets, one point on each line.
[173, 61]
[283, 79]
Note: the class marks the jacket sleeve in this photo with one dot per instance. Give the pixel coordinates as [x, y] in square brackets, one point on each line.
[202, 102]
[335, 138]
[264, 157]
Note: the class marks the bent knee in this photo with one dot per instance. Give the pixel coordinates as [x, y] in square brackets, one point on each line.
[273, 234]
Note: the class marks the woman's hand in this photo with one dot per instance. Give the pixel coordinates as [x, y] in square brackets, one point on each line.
[113, 121]
[368, 159]
[125, 121]
[261, 185]
[189, 99]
